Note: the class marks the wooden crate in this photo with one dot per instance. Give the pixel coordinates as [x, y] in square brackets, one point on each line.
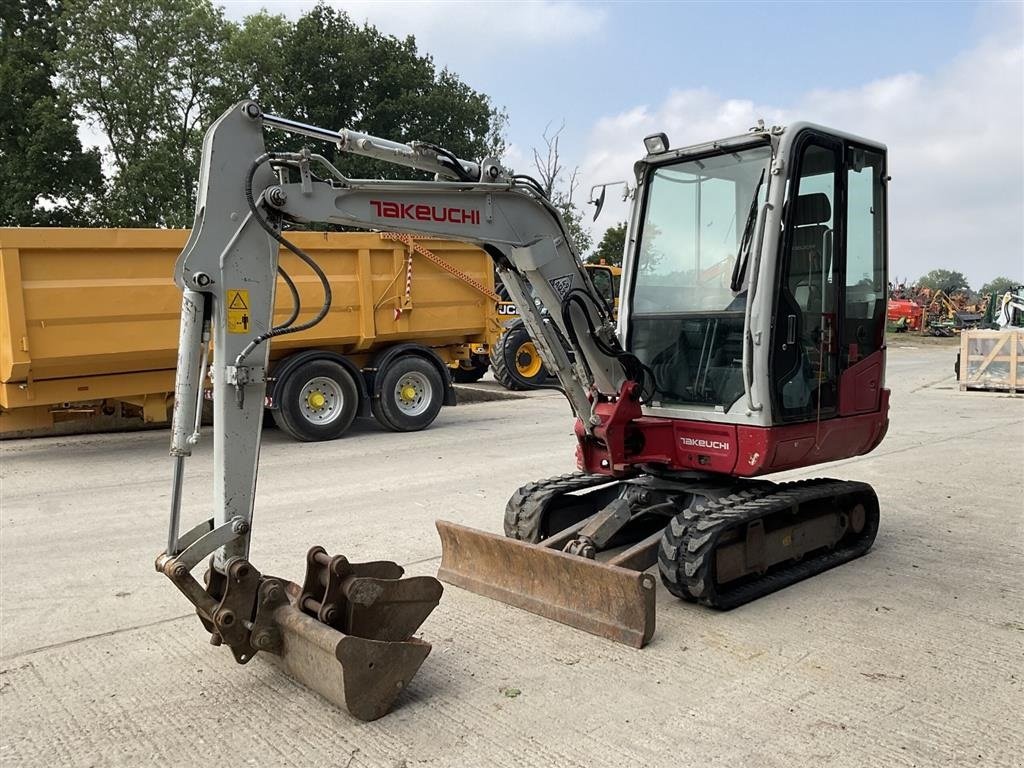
[992, 360]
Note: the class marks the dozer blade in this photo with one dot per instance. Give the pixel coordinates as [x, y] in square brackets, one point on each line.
[361, 675]
[605, 600]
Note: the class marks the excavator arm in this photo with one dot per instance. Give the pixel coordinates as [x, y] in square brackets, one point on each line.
[228, 273]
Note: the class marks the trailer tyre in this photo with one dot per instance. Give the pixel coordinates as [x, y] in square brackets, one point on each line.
[318, 401]
[516, 363]
[411, 394]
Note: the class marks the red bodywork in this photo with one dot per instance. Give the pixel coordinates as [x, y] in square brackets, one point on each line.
[626, 438]
[900, 308]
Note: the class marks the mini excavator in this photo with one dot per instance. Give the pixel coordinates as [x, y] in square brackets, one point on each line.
[749, 340]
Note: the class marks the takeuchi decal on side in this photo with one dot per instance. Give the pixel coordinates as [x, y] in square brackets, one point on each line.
[386, 209]
[700, 442]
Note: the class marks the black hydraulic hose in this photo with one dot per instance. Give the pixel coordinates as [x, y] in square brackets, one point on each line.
[453, 161]
[287, 327]
[632, 366]
[296, 302]
[532, 182]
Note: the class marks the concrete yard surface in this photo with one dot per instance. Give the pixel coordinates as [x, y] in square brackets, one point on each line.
[910, 656]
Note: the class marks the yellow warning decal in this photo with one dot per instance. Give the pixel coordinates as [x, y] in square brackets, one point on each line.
[239, 320]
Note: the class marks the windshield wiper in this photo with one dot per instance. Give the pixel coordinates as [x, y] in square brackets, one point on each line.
[739, 272]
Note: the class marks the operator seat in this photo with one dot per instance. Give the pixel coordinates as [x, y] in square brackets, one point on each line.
[806, 282]
[812, 251]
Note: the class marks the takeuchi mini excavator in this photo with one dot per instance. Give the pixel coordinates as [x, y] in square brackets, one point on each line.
[749, 340]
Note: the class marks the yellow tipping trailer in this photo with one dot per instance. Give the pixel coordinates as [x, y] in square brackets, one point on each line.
[89, 327]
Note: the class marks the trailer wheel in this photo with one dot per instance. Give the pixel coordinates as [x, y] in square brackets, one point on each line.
[318, 401]
[516, 363]
[471, 370]
[411, 394]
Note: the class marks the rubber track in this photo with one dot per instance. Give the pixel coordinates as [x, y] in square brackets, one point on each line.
[686, 560]
[525, 510]
[674, 537]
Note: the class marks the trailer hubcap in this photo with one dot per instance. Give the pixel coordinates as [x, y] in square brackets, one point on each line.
[413, 393]
[320, 400]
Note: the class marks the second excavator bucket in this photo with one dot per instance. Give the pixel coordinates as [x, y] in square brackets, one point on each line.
[346, 632]
[602, 598]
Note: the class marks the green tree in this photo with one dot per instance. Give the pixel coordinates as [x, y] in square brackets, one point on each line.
[611, 247]
[947, 280]
[999, 286]
[45, 176]
[146, 73]
[254, 63]
[153, 75]
[329, 71]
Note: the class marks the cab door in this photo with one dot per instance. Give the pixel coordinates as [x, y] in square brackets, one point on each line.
[828, 335]
[805, 335]
[865, 287]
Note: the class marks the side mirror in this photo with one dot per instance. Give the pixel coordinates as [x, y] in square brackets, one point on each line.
[599, 203]
[627, 191]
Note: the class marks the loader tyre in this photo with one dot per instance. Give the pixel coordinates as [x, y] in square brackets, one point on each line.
[318, 401]
[516, 363]
[411, 394]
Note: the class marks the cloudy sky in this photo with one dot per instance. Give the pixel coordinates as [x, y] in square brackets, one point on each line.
[941, 83]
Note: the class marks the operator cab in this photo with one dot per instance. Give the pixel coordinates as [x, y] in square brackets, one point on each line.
[694, 260]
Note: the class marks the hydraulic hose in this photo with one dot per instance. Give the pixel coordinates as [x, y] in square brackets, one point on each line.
[288, 326]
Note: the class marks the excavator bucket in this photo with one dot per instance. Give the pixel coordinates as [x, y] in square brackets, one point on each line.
[603, 598]
[361, 675]
[346, 632]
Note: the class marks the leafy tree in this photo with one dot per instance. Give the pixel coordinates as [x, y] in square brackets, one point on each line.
[999, 286]
[145, 71]
[254, 63]
[153, 74]
[611, 247]
[329, 71]
[945, 280]
[573, 218]
[45, 177]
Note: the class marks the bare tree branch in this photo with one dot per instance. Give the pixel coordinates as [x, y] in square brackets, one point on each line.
[549, 166]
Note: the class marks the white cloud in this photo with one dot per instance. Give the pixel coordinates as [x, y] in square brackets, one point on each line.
[956, 152]
[457, 34]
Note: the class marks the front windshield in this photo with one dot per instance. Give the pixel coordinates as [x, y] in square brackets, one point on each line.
[686, 320]
[693, 225]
